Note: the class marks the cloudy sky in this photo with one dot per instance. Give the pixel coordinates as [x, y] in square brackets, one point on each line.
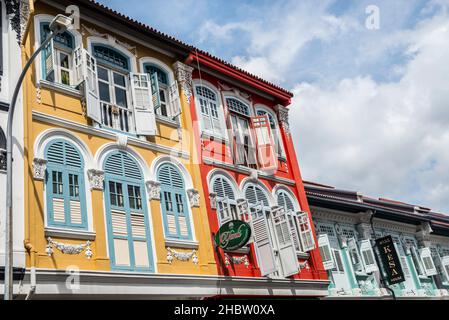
[371, 107]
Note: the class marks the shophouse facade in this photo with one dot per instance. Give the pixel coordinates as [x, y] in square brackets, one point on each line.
[347, 224]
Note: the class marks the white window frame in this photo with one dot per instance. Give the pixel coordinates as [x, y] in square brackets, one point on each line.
[45, 18]
[425, 253]
[324, 244]
[280, 148]
[220, 111]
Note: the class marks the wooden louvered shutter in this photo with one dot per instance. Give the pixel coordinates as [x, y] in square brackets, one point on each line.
[263, 246]
[305, 231]
[368, 256]
[426, 257]
[265, 146]
[174, 106]
[284, 239]
[144, 115]
[354, 254]
[325, 250]
[91, 91]
[174, 203]
[65, 186]
[155, 94]
[50, 61]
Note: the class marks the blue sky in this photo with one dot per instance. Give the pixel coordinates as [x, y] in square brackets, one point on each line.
[370, 108]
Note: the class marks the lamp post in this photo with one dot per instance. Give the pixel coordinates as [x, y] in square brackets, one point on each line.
[59, 24]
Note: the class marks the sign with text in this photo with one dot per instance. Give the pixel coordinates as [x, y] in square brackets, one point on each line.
[390, 260]
[233, 235]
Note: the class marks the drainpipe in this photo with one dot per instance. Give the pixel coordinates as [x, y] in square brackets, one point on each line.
[32, 252]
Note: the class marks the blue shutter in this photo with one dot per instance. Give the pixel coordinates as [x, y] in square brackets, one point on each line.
[66, 197]
[174, 203]
[122, 165]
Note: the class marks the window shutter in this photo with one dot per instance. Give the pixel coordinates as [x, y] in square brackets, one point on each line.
[262, 245]
[426, 258]
[91, 87]
[405, 267]
[368, 256]
[294, 231]
[354, 254]
[155, 91]
[174, 106]
[78, 76]
[265, 147]
[205, 114]
[305, 231]
[445, 266]
[338, 261]
[142, 100]
[284, 239]
[224, 211]
[50, 61]
[325, 250]
[417, 261]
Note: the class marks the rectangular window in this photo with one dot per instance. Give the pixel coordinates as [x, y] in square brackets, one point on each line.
[58, 187]
[134, 196]
[338, 267]
[116, 194]
[74, 188]
[168, 201]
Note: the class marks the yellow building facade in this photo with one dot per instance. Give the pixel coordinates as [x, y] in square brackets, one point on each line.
[111, 185]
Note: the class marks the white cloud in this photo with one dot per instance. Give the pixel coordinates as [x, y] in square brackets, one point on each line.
[385, 139]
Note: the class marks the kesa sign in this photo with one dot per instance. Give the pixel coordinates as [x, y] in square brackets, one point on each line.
[233, 235]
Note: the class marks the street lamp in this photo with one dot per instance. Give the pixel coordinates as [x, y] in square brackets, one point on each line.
[59, 24]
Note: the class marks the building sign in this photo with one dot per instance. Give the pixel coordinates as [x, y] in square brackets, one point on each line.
[390, 260]
[233, 235]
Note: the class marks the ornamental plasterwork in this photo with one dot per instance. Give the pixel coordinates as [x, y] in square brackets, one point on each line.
[19, 12]
[39, 166]
[194, 197]
[183, 74]
[283, 118]
[393, 226]
[111, 39]
[154, 190]
[236, 260]
[334, 215]
[96, 179]
[181, 256]
[237, 92]
[213, 200]
[71, 249]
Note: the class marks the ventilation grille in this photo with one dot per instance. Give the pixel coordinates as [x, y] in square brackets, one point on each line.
[285, 201]
[223, 188]
[169, 176]
[255, 195]
[121, 164]
[64, 153]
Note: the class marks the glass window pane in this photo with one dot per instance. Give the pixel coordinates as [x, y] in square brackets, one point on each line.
[104, 92]
[119, 79]
[120, 97]
[103, 74]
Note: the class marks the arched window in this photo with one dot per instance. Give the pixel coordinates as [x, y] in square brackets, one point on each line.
[211, 113]
[126, 211]
[285, 201]
[275, 132]
[245, 149]
[257, 196]
[159, 83]
[114, 88]
[226, 200]
[66, 198]
[57, 57]
[174, 203]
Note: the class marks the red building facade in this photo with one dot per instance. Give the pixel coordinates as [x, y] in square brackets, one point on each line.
[250, 171]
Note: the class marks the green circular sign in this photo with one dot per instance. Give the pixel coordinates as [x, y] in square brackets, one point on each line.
[233, 235]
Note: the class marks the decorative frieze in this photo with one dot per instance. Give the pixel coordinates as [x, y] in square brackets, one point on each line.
[183, 74]
[39, 167]
[154, 190]
[194, 198]
[19, 13]
[283, 118]
[71, 249]
[181, 256]
[96, 179]
[236, 260]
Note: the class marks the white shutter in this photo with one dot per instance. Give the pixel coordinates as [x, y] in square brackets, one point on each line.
[305, 231]
[265, 146]
[287, 253]
[426, 257]
[50, 61]
[325, 250]
[78, 75]
[368, 256]
[263, 247]
[143, 105]
[354, 255]
[174, 105]
[445, 266]
[155, 91]
[91, 87]
[205, 114]
[224, 211]
[294, 231]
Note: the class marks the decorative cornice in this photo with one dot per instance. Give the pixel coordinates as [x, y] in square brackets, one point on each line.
[39, 167]
[237, 92]
[334, 215]
[96, 179]
[213, 200]
[194, 198]
[183, 75]
[154, 190]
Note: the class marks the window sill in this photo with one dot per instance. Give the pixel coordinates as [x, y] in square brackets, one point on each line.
[212, 136]
[181, 244]
[167, 121]
[61, 88]
[244, 250]
[69, 233]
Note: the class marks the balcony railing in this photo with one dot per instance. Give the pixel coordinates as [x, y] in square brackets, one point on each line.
[116, 117]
